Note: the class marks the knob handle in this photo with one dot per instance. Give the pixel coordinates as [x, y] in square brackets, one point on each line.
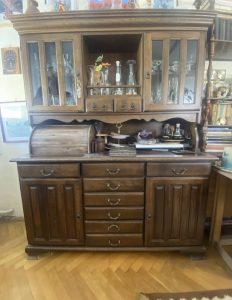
[113, 188]
[114, 244]
[113, 203]
[46, 174]
[182, 172]
[114, 217]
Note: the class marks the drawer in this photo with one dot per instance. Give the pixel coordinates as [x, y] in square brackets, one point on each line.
[178, 169]
[112, 214]
[128, 105]
[99, 104]
[113, 226]
[113, 170]
[114, 240]
[114, 199]
[49, 170]
[114, 185]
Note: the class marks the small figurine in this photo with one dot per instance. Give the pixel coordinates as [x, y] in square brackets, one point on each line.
[61, 6]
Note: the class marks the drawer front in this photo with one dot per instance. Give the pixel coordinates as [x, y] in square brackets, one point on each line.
[128, 105]
[113, 214]
[113, 226]
[49, 170]
[178, 169]
[99, 105]
[114, 185]
[113, 170]
[114, 199]
[114, 240]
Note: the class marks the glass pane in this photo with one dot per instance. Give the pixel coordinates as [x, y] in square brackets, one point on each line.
[174, 72]
[33, 50]
[52, 78]
[69, 83]
[190, 79]
[156, 71]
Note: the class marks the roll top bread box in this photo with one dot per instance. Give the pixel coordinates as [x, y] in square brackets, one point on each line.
[61, 140]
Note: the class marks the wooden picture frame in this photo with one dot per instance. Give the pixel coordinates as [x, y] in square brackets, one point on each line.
[11, 61]
[14, 122]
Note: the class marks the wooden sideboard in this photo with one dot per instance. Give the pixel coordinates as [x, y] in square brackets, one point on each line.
[111, 203]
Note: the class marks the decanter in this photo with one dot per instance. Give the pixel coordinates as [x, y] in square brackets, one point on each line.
[118, 78]
[131, 78]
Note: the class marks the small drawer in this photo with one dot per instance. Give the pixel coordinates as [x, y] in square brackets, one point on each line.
[113, 200]
[114, 214]
[113, 226]
[114, 240]
[178, 169]
[113, 170]
[128, 105]
[114, 185]
[49, 170]
[99, 105]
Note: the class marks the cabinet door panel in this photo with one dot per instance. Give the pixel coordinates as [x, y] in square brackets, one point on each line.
[53, 72]
[173, 69]
[53, 211]
[175, 211]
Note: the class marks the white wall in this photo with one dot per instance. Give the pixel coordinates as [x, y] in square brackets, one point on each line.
[11, 89]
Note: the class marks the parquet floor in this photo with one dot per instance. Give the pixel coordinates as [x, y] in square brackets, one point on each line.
[100, 276]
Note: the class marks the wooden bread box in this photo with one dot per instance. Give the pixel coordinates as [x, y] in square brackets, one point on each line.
[61, 140]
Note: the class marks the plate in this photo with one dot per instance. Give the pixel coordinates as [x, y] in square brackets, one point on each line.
[118, 136]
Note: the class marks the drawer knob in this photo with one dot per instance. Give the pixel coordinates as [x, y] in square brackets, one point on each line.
[114, 244]
[46, 174]
[114, 217]
[182, 172]
[113, 203]
[148, 216]
[113, 188]
[113, 171]
[113, 227]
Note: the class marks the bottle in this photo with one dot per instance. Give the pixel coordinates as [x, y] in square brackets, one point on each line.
[118, 78]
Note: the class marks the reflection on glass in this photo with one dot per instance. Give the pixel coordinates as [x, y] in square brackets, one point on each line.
[190, 79]
[69, 81]
[174, 71]
[52, 78]
[156, 71]
[33, 51]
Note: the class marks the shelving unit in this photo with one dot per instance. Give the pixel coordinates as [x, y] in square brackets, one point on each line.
[217, 104]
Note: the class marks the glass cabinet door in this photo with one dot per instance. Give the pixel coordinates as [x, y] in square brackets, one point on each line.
[173, 70]
[54, 72]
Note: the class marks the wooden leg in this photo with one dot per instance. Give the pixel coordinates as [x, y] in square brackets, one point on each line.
[218, 209]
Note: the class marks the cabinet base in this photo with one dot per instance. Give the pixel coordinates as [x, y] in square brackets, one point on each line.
[191, 250]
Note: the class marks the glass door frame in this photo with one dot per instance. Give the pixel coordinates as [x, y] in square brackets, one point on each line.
[41, 39]
[164, 36]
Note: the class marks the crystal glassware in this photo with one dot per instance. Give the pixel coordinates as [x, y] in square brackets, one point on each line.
[131, 78]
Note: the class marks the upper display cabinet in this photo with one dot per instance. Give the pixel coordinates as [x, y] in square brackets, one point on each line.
[53, 72]
[113, 65]
[173, 70]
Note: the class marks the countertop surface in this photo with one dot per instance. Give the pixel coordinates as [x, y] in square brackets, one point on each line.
[153, 156]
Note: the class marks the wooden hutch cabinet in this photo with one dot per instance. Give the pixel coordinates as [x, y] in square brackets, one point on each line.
[153, 66]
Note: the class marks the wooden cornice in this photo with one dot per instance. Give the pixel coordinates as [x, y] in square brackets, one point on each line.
[110, 20]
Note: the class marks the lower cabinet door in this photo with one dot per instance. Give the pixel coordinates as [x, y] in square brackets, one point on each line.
[175, 211]
[53, 211]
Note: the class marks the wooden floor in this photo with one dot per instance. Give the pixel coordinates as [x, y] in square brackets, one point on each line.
[100, 276]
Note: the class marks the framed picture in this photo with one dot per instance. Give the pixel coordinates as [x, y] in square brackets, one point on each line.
[9, 7]
[14, 122]
[10, 61]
